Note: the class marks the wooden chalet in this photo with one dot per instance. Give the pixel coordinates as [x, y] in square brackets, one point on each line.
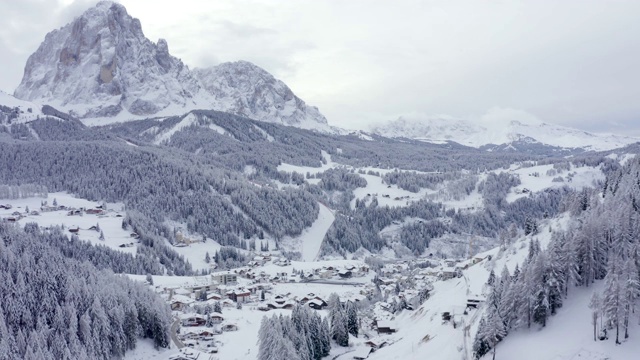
[386, 327]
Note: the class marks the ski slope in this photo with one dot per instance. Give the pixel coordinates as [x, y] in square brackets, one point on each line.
[310, 241]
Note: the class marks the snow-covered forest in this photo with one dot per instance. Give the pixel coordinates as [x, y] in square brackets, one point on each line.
[247, 186]
[601, 244]
[57, 306]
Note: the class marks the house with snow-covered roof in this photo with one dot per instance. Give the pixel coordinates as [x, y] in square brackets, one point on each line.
[386, 327]
[361, 353]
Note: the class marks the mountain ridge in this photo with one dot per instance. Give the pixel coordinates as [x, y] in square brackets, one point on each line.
[506, 131]
[102, 67]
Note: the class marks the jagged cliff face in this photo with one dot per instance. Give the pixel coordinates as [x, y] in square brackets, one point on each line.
[102, 65]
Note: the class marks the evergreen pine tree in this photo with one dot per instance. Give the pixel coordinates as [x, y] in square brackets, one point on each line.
[352, 319]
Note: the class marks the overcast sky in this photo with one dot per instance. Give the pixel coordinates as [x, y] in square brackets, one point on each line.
[574, 63]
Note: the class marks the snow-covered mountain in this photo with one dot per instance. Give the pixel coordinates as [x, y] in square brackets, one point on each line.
[502, 130]
[101, 66]
[245, 89]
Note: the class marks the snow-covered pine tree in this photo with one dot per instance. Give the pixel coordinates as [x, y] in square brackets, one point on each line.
[494, 330]
[492, 278]
[631, 290]
[339, 328]
[480, 345]
[325, 337]
[267, 339]
[540, 290]
[613, 296]
[352, 319]
[595, 304]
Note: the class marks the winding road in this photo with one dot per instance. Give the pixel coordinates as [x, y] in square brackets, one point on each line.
[174, 333]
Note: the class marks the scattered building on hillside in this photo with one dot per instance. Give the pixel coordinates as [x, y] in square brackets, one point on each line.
[193, 320]
[229, 327]
[345, 273]
[386, 327]
[180, 302]
[361, 353]
[225, 278]
[216, 317]
[239, 295]
[376, 344]
[317, 304]
[449, 273]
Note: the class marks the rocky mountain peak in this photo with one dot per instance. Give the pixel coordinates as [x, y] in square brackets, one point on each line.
[101, 65]
[245, 89]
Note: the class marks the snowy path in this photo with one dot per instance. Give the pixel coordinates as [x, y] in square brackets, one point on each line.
[311, 238]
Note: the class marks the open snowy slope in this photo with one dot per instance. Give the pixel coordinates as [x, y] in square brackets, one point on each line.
[568, 336]
[110, 223]
[27, 111]
[423, 332]
[538, 178]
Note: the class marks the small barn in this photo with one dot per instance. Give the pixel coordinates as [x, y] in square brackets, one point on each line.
[386, 327]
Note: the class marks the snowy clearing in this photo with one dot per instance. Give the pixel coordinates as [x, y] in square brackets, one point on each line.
[110, 222]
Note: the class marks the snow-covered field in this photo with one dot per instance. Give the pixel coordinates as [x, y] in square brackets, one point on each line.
[387, 195]
[536, 179]
[533, 179]
[110, 223]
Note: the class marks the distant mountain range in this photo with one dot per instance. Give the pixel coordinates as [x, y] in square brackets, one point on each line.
[501, 132]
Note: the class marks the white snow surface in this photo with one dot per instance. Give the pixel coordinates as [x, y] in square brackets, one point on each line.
[569, 336]
[535, 179]
[23, 106]
[310, 241]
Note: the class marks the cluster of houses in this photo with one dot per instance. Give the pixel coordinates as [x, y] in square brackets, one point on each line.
[16, 215]
[331, 272]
